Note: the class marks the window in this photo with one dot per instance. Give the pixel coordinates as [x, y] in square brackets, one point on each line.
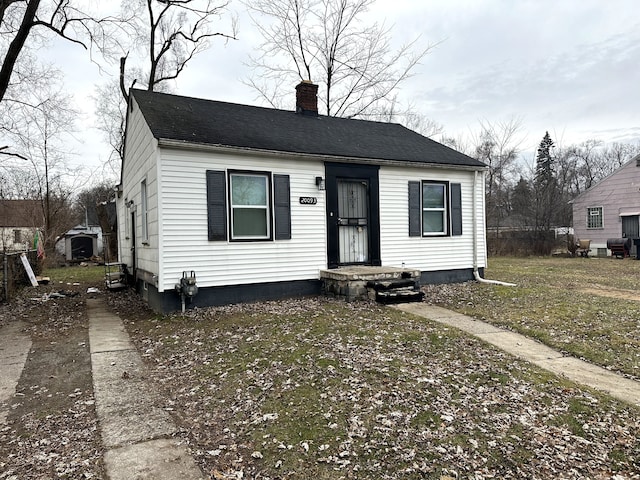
[249, 206]
[594, 217]
[144, 211]
[257, 207]
[435, 208]
[434, 213]
[17, 236]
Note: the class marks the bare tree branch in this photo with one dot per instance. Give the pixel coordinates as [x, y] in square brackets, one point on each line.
[325, 41]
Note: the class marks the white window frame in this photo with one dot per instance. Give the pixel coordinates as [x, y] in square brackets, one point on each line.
[266, 176]
[444, 209]
[597, 212]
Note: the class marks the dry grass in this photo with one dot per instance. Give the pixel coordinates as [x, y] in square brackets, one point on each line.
[313, 388]
[589, 308]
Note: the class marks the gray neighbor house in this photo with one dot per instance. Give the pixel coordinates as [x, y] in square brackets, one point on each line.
[260, 203]
[610, 209]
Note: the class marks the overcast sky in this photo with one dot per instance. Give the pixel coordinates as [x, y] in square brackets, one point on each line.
[571, 67]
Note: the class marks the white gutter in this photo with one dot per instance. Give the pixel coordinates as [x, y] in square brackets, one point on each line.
[476, 273]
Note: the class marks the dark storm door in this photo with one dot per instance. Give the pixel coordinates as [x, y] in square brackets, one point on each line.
[353, 222]
[353, 215]
[631, 229]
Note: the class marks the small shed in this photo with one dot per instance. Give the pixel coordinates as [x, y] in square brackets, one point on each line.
[80, 243]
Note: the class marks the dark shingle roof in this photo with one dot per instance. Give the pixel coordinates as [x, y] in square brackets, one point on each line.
[21, 213]
[210, 122]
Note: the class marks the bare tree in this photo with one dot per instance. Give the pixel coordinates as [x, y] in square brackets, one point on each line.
[498, 146]
[96, 206]
[171, 33]
[49, 121]
[165, 36]
[394, 111]
[26, 26]
[111, 110]
[617, 154]
[325, 41]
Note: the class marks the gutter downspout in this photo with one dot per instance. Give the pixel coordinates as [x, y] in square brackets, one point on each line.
[476, 273]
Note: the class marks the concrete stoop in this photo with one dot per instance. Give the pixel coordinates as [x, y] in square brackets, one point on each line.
[135, 431]
[382, 284]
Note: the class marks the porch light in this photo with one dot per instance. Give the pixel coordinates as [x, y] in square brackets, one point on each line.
[320, 183]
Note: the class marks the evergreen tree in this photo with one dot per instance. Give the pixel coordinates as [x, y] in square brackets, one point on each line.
[544, 161]
[521, 203]
[545, 196]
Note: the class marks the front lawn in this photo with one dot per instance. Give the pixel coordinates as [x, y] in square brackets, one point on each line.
[587, 307]
[316, 388]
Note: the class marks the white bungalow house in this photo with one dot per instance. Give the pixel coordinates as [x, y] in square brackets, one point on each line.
[258, 202]
[610, 209]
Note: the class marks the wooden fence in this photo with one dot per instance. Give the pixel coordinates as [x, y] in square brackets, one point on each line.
[13, 274]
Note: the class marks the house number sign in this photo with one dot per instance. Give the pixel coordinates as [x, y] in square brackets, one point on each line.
[308, 200]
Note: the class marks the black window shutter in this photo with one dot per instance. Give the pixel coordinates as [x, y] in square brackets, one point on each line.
[282, 206]
[415, 210]
[456, 209]
[217, 205]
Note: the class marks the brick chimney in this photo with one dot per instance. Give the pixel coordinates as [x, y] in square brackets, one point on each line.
[307, 98]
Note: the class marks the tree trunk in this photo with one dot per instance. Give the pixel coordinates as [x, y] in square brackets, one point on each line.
[15, 47]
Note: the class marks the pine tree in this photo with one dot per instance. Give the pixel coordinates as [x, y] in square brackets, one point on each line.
[545, 196]
[544, 161]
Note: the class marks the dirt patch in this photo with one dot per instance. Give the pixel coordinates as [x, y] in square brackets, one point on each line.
[612, 293]
[52, 429]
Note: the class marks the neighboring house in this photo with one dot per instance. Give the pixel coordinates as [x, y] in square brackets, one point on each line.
[19, 220]
[257, 201]
[80, 243]
[610, 209]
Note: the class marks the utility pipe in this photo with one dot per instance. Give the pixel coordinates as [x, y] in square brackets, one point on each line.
[476, 273]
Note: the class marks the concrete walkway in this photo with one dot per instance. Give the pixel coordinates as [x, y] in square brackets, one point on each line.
[533, 351]
[14, 349]
[135, 432]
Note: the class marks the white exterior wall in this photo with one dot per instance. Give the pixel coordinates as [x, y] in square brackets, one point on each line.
[8, 235]
[140, 163]
[183, 215]
[429, 253]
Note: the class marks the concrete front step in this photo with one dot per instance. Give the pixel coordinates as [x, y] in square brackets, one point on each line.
[399, 296]
[360, 282]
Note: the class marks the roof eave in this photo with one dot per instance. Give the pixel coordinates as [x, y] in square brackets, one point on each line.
[185, 145]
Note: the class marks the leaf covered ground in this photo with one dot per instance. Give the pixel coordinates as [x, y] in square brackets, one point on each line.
[586, 307]
[317, 388]
[313, 387]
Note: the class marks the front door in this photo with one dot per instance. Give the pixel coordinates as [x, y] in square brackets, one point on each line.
[353, 218]
[631, 229]
[353, 222]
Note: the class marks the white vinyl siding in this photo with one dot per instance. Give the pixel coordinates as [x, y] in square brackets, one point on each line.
[185, 244]
[428, 253]
[140, 165]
